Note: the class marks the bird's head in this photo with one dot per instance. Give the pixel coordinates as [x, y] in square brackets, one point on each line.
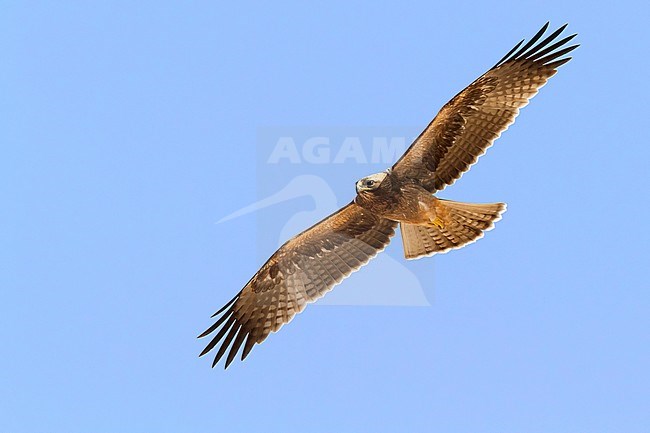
[371, 183]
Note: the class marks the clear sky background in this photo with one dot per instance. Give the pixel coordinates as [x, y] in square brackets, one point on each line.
[128, 129]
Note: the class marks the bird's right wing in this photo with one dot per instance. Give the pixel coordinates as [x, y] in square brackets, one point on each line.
[468, 124]
[301, 271]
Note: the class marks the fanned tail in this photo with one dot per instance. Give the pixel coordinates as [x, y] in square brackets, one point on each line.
[456, 225]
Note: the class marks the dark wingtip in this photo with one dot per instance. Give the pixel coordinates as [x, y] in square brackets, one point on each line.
[204, 351]
[248, 346]
[503, 59]
[234, 328]
[225, 322]
[556, 55]
[222, 309]
[532, 40]
[534, 50]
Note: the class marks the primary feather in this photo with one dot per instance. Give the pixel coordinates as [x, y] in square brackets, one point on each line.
[468, 124]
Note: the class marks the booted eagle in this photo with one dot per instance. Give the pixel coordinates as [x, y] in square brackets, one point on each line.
[310, 264]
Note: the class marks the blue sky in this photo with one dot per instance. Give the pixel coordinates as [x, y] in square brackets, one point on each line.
[128, 129]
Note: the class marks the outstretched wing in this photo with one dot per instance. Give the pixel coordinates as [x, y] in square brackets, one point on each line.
[468, 124]
[301, 271]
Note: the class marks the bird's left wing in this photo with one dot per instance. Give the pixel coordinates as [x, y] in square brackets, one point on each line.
[468, 124]
[301, 271]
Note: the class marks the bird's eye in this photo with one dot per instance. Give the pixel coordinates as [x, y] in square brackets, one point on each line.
[370, 182]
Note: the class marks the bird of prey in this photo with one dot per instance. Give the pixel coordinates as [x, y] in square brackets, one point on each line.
[311, 263]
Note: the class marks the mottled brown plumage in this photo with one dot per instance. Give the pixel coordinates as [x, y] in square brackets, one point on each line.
[301, 271]
[310, 264]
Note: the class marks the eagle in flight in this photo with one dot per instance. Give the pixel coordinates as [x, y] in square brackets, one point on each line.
[313, 262]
